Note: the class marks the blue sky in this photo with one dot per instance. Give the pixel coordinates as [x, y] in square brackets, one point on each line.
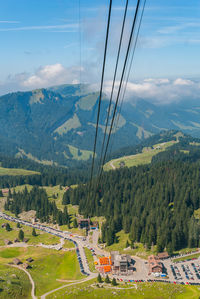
[40, 41]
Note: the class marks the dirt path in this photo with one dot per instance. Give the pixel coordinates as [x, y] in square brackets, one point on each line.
[113, 167]
[30, 278]
[68, 285]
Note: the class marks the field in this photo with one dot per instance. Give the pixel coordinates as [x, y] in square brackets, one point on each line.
[136, 291]
[90, 259]
[139, 250]
[40, 238]
[79, 154]
[87, 102]
[16, 171]
[72, 123]
[54, 193]
[49, 266]
[14, 283]
[143, 158]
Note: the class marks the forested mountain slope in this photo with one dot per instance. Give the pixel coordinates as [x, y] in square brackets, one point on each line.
[154, 204]
[57, 125]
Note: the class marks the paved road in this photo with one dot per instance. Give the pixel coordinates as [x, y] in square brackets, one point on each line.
[141, 268]
[95, 237]
[78, 241]
[30, 278]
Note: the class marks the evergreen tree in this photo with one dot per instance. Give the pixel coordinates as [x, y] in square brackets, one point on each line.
[127, 244]
[99, 279]
[21, 235]
[107, 279]
[114, 282]
[9, 194]
[8, 228]
[18, 225]
[66, 198]
[34, 232]
[1, 193]
[75, 223]
[170, 249]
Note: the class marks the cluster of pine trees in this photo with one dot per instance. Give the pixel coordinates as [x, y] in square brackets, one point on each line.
[154, 204]
[49, 175]
[37, 200]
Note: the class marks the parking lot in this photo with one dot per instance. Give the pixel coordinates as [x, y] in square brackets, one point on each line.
[186, 271]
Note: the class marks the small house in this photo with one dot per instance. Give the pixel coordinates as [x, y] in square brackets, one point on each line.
[94, 225]
[84, 223]
[3, 225]
[16, 261]
[30, 260]
[26, 240]
[155, 265]
[163, 255]
[16, 240]
[7, 242]
[5, 191]
[26, 265]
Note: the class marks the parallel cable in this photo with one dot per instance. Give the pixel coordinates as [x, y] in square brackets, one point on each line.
[80, 43]
[100, 94]
[114, 78]
[121, 80]
[130, 66]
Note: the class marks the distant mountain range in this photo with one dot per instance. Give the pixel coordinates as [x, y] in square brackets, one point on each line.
[57, 125]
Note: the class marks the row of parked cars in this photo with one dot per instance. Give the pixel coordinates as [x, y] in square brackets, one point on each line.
[176, 273]
[196, 268]
[80, 260]
[187, 271]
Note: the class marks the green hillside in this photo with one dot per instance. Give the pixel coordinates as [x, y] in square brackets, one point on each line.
[140, 159]
[45, 121]
[16, 172]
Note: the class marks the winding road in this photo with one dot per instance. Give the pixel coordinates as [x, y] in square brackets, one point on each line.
[30, 278]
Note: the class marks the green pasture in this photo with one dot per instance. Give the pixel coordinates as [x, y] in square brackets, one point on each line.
[140, 159]
[16, 171]
[79, 155]
[90, 259]
[131, 290]
[49, 266]
[120, 246]
[14, 283]
[41, 237]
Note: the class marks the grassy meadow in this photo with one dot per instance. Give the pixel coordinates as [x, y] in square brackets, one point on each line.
[90, 259]
[14, 283]
[16, 171]
[41, 237]
[130, 290]
[49, 266]
[140, 159]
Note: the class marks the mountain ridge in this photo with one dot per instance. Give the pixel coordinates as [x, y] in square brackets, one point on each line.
[47, 123]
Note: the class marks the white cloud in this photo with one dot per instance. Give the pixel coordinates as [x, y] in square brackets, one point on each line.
[9, 22]
[50, 75]
[155, 90]
[180, 81]
[159, 91]
[45, 76]
[70, 27]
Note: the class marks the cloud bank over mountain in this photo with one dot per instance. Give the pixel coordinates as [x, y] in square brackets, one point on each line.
[158, 91]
